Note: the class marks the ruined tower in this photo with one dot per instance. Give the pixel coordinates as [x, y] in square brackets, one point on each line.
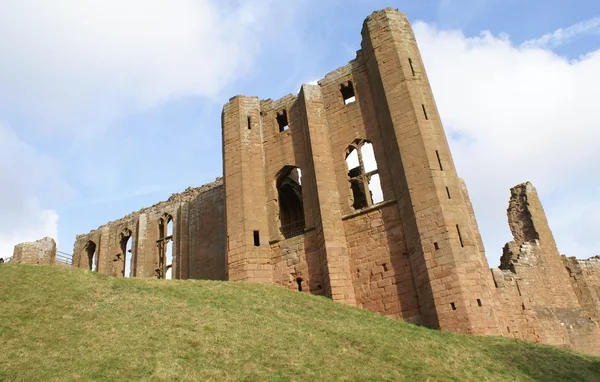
[414, 251]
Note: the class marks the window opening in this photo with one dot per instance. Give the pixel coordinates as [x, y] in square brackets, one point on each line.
[347, 91]
[249, 123]
[412, 69]
[448, 192]
[90, 249]
[126, 254]
[436, 246]
[453, 306]
[299, 281]
[437, 154]
[479, 302]
[365, 181]
[424, 111]
[282, 120]
[291, 207]
[165, 248]
[459, 236]
[256, 239]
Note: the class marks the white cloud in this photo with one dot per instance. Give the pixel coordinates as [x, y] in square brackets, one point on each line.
[514, 114]
[66, 61]
[25, 175]
[562, 36]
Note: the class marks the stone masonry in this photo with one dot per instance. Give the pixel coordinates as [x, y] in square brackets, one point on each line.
[348, 190]
[40, 252]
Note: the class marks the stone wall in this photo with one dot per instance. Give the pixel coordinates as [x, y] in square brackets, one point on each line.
[539, 302]
[585, 279]
[40, 252]
[195, 246]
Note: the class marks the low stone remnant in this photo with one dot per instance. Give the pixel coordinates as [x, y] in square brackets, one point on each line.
[40, 252]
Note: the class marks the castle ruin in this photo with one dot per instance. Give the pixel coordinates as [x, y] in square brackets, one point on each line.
[348, 190]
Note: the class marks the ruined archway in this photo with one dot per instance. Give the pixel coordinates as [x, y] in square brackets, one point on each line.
[90, 253]
[165, 247]
[291, 206]
[125, 241]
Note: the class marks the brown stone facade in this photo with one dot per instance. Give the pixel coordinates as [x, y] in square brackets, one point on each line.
[348, 190]
[180, 238]
[40, 252]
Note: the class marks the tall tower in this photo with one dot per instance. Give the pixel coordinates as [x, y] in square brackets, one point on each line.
[245, 198]
[452, 277]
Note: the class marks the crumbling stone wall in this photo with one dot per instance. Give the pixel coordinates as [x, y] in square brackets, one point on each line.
[539, 301]
[198, 249]
[585, 279]
[40, 252]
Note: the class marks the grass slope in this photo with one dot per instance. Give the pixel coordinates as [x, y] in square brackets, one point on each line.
[60, 324]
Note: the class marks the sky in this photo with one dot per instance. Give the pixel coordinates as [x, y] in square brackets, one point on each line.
[110, 106]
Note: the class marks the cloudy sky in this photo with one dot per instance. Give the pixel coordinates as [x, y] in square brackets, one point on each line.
[109, 106]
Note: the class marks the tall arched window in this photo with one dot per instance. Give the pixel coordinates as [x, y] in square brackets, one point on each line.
[126, 252]
[291, 207]
[363, 174]
[165, 247]
[90, 251]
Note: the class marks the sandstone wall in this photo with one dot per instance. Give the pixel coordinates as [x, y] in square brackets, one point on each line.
[538, 300]
[585, 279]
[40, 252]
[198, 240]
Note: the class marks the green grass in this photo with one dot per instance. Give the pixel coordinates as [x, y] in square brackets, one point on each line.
[61, 324]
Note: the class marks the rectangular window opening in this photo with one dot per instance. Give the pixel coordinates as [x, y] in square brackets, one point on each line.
[459, 236]
[282, 120]
[453, 306]
[412, 69]
[424, 111]
[448, 192]
[436, 246]
[437, 154]
[249, 123]
[256, 239]
[347, 91]
[479, 302]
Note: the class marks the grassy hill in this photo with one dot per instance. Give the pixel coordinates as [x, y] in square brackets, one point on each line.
[60, 324]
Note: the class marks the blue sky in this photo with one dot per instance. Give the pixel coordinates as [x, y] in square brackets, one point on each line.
[107, 107]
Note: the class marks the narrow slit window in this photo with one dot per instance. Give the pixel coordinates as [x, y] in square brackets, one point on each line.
[448, 192]
[282, 120]
[453, 306]
[347, 91]
[460, 236]
[437, 154]
[299, 281]
[436, 246]
[479, 302]
[424, 111]
[412, 69]
[256, 239]
[249, 123]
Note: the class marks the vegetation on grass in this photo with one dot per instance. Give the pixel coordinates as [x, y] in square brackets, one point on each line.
[61, 324]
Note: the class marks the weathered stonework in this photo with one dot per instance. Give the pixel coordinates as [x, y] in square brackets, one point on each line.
[197, 239]
[348, 190]
[40, 252]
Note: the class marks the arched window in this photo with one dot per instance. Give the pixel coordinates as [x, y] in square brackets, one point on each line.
[291, 207]
[165, 247]
[126, 252]
[363, 174]
[90, 251]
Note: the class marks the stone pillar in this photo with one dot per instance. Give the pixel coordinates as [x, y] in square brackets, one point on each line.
[245, 194]
[452, 278]
[331, 239]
